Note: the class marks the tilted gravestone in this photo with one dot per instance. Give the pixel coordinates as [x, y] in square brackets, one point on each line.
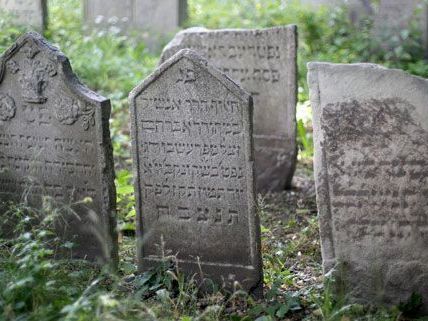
[193, 160]
[55, 141]
[263, 62]
[31, 13]
[149, 15]
[371, 151]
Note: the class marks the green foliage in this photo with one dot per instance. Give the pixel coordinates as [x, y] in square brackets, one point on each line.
[324, 35]
[277, 304]
[34, 286]
[413, 306]
[9, 30]
[125, 200]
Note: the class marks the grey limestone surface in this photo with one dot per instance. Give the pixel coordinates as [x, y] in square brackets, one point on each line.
[371, 160]
[55, 141]
[155, 16]
[31, 13]
[263, 62]
[193, 163]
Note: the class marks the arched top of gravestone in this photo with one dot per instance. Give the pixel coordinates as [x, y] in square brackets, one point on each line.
[196, 59]
[33, 79]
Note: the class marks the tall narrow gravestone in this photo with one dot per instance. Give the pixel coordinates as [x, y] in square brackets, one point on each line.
[150, 15]
[31, 13]
[371, 152]
[193, 160]
[263, 62]
[55, 141]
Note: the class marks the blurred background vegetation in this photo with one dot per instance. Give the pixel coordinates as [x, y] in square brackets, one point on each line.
[35, 287]
[112, 64]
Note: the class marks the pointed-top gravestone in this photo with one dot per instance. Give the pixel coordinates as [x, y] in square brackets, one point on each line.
[193, 160]
[371, 160]
[263, 62]
[30, 13]
[55, 141]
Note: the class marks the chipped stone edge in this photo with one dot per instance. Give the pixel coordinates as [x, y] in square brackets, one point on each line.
[246, 99]
[320, 161]
[104, 145]
[320, 171]
[292, 79]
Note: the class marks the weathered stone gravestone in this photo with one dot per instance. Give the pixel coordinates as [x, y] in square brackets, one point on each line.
[357, 8]
[193, 160]
[371, 151]
[31, 13]
[55, 141]
[149, 15]
[263, 62]
[394, 16]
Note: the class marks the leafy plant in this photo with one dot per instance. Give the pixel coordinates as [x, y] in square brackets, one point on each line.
[125, 200]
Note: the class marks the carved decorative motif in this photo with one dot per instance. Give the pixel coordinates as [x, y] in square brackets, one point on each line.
[88, 113]
[12, 66]
[69, 110]
[33, 75]
[7, 107]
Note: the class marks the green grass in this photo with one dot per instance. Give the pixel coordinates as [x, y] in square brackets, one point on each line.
[34, 286]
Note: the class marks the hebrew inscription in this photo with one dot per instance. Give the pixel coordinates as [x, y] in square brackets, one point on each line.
[264, 63]
[372, 180]
[193, 159]
[54, 141]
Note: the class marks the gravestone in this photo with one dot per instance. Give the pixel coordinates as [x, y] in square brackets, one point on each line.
[148, 15]
[371, 151]
[193, 160]
[394, 16]
[357, 8]
[55, 141]
[31, 13]
[263, 62]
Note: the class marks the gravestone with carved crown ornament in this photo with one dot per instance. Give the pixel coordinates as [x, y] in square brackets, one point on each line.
[55, 144]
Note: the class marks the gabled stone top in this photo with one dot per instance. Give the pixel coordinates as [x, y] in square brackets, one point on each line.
[197, 60]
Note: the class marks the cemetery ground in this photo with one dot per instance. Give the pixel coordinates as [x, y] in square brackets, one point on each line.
[33, 286]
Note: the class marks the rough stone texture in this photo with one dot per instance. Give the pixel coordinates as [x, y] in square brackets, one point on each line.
[150, 15]
[371, 151]
[31, 13]
[193, 160]
[263, 62]
[55, 141]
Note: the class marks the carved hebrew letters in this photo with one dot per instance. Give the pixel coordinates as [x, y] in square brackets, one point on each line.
[372, 178]
[192, 143]
[263, 62]
[54, 142]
